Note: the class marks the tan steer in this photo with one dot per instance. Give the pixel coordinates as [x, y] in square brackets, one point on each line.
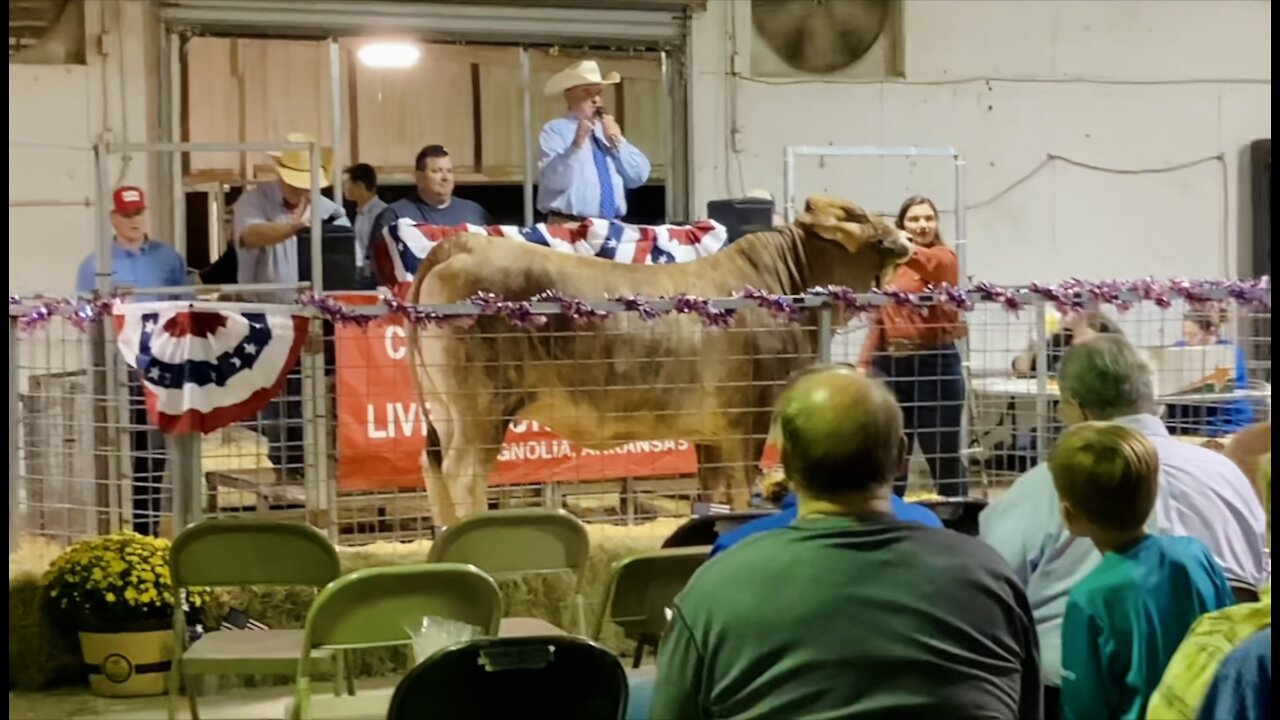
[626, 379]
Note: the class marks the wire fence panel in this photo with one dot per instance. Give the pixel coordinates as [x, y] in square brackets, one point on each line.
[386, 432]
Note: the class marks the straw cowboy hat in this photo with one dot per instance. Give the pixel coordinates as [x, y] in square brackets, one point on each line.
[586, 72]
[294, 166]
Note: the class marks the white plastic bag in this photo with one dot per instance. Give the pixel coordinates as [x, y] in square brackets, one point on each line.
[436, 633]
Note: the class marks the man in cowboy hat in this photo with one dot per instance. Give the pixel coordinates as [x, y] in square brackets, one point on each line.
[586, 165]
[267, 220]
[268, 217]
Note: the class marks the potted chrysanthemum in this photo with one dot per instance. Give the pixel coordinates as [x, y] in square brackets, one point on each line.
[116, 592]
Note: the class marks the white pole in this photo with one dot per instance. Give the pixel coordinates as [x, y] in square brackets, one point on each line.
[527, 98]
[335, 83]
[317, 222]
[177, 187]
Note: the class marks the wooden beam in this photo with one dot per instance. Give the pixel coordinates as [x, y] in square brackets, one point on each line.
[478, 131]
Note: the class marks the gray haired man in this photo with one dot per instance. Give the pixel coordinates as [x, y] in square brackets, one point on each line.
[1202, 494]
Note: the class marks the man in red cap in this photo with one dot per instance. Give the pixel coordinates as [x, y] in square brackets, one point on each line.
[138, 262]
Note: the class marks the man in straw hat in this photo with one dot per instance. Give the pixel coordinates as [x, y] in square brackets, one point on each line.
[586, 165]
[267, 219]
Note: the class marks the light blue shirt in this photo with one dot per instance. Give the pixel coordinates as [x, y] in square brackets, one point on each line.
[153, 264]
[275, 263]
[1202, 494]
[567, 179]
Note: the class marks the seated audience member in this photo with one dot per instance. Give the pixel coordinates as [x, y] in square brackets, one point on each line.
[1075, 327]
[1185, 684]
[1201, 494]
[1250, 450]
[780, 494]
[848, 612]
[1186, 680]
[1201, 329]
[1249, 447]
[1124, 619]
[1062, 332]
[432, 203]
[1242, 688]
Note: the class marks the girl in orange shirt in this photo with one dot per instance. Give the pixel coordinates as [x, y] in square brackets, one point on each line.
[914, 350]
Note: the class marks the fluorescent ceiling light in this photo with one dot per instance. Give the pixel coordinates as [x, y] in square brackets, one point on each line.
[389, 55]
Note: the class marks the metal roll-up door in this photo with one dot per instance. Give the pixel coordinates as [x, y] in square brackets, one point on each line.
[596, 22]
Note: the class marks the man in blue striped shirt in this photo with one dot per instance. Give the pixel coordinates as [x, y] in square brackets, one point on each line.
[586, 165]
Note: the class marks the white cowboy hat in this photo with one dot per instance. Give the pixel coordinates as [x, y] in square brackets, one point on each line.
[294, 166]
[586, 72]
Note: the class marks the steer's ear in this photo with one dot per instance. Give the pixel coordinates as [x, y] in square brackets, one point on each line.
[852, 235]
[838, 208]
[853, 213]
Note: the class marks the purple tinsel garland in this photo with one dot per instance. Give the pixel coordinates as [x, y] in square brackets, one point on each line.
[1074, 294]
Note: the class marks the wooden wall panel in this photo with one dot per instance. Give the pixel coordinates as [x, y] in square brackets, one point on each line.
[501, 112]
[212, 105]
[399, 111]
[252, 90]
[286, 88]
[643, 105]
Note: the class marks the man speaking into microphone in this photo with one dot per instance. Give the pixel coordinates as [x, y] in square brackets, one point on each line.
[586, 165]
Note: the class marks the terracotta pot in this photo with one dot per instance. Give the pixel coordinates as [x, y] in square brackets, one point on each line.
[127, 664]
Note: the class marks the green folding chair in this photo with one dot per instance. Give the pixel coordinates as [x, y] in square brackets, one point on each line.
[236, 552]
[513, 543]
[376, 607]
[641, 588]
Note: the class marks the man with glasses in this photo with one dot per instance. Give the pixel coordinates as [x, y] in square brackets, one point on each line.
[1201, 494]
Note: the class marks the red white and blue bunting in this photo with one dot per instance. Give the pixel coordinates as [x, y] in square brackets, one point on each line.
[202, 370]
[408, 243]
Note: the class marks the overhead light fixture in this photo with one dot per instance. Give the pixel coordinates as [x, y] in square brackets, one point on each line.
[389, 55]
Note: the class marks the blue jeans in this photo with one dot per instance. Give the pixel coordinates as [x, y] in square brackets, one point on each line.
[930, 388]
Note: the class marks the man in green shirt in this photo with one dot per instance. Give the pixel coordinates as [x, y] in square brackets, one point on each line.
[849, 613]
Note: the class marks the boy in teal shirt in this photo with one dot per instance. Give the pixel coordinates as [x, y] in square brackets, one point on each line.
[1126, 618]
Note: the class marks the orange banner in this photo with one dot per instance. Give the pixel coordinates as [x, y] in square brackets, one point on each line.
[382, 427]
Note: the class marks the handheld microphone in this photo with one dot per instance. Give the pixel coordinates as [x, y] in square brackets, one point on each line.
[600, 111]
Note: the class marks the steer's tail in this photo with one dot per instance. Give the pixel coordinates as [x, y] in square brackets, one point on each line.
[433, 450]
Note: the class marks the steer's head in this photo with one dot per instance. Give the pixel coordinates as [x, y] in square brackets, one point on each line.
[843, 222]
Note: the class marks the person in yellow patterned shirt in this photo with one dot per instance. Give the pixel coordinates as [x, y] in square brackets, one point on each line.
[1212, 638]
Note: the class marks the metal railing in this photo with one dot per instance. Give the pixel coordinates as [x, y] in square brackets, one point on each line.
[341, 448]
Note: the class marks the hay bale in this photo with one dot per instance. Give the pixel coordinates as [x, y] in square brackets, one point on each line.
[43, 655]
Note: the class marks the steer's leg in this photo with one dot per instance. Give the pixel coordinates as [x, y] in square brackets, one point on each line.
[725, 471]
[472, 452]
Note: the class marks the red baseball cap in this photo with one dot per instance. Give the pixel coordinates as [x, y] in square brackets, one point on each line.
[129, 199]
